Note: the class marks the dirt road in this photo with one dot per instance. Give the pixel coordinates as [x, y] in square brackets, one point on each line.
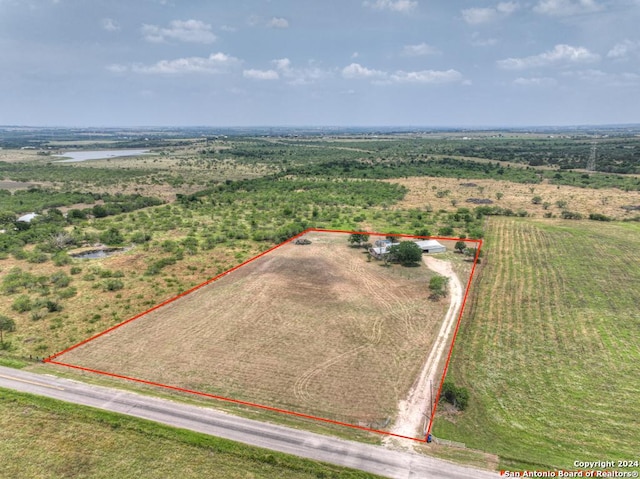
[415, 410]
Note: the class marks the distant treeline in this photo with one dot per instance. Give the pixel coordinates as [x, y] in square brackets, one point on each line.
[67, 173]
[461, 169]
[37, 199]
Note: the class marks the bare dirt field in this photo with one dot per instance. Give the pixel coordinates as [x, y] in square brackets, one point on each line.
[423, 191]
[315, 329]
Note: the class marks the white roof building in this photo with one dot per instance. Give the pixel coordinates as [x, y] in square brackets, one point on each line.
[27, 218]
[431, 246]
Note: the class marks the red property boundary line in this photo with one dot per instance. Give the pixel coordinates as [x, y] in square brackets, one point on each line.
[52, 359]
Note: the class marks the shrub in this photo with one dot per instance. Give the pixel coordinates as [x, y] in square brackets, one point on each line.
[61, 259]
[139, 237]
[67, 293]
[112, 237]
[22, 304]
[438, 286]
[37, 257]
[458, 396]
[445, 231]
[75, 270]
[113, 285]
[60, 280]
[598, 217]
[570, 215]
[53, 306]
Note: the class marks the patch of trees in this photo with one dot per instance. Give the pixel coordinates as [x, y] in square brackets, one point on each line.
[599, 217]
[66, 174]
[406, 253]
[481, 211]
[403, 167]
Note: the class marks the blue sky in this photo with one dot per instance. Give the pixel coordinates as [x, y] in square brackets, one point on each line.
[319, 62]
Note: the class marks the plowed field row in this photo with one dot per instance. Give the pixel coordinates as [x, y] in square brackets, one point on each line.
[551, 346]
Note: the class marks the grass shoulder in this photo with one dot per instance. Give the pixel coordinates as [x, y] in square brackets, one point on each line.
[46, 438]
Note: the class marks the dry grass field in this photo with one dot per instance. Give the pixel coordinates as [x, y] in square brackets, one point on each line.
[424, 191]
[315, 329]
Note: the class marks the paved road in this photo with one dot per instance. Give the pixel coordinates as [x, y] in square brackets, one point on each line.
[375, 459]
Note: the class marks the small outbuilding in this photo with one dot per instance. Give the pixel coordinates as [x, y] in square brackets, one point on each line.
[431, 246]
[27, 218]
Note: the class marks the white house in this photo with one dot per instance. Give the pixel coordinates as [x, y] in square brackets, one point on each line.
[431, 246]
[381, 248]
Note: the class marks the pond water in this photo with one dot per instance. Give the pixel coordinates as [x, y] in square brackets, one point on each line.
[76, 156]
[97, 253]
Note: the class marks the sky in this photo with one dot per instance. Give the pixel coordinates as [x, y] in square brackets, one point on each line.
[468, 63]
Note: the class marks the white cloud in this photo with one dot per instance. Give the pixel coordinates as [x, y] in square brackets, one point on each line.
[561, 54]
[427, 76]
[277, 22]
[605, 79]
[355, 70]
[117, 68]
[507, 7]
[566, 7]
[476, 16]
[535, 81]
[192, 31]
[402, 6]
[623, 49]
[477, 41]
[261, 74]
[300, 75]
[110, 25]
[214, 63]
[419, 50]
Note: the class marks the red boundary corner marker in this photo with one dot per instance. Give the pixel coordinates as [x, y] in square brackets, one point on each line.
[53, 358]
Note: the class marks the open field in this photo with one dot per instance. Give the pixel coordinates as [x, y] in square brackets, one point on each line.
[315, 329]
[43, 438]
[550, 345]
[442, 193]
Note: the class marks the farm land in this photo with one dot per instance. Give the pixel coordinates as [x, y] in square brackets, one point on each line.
[314, 328]
[199, 205]
[552, 357]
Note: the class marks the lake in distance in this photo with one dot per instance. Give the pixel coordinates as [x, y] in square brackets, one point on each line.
[75, 156]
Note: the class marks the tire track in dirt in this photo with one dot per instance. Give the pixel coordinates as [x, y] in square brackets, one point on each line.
[301, 386]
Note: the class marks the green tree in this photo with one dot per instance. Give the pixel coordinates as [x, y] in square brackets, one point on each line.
[6, 324]
[456, 395]
[536, 200]
[406, 253]
[460, 246]
[112, 237]
[438, 285]
[7, 217]
[358, 239]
